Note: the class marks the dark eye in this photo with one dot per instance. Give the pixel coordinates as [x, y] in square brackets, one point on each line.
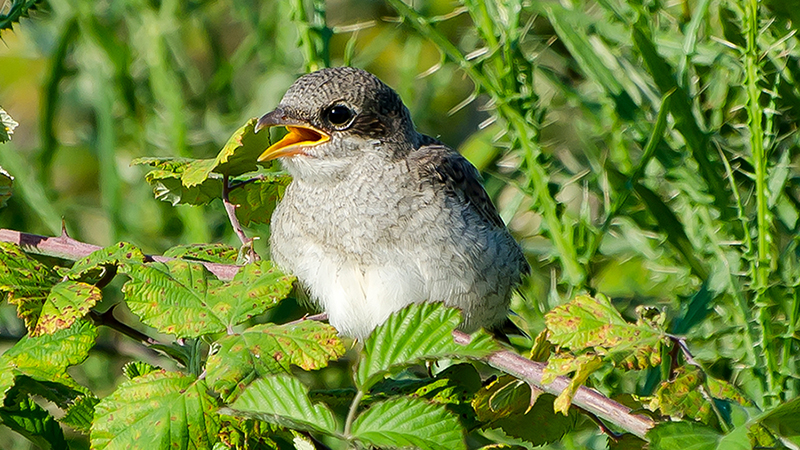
[339, 115]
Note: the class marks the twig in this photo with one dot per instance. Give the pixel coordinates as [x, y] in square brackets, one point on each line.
[65, 247]
[230, 208]
[588, 399]
[506, 361]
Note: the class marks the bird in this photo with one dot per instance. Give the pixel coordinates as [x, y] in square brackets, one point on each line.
[379, 216]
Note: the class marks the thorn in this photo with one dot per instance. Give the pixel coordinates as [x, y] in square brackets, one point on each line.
[64, 234]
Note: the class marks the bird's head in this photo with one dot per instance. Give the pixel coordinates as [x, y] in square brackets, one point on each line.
[335, 115]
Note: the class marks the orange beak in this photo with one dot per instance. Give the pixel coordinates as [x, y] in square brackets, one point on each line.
[301, 135]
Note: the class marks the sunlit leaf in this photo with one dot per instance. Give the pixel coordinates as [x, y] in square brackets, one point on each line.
[215, 252]
[283, 400]
[46, 358]
[582, 365]
[408, 422]
[683, 436]
[26, 281]
[416, 333]
[270, 349]
[593, 323]
[119, 253]
[66, 302]
[182, 298]
[158, 410]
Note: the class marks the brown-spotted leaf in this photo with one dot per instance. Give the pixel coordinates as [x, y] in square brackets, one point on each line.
[25, 281]
[67, 302]
[269, 349]
[119, 253]
[592, 323]
[215, 253]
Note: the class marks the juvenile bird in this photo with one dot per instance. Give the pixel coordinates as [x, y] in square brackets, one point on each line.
[379, 216]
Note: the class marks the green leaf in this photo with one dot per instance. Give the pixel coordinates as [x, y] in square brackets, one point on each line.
[80, 414]
[408, 422]
[257, 200]
[137, 369]
[171, 297]
[283, 400]
[237, 157]
[182, 298]
[593, 323]
[34, 422]
[784, 419]
[215, 253]
[418, 332]
[7, 124]
[562, 364]
[158, 410]
[269, 349]
[683, 436]
[46, 358]
[6, 181]
[255, 288]
[119, 253]
[26, 281]
[168, 187]
[67, 302]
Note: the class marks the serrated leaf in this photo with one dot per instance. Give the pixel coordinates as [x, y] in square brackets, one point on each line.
[158, 410]
[66, 302]
[137, 369]
[46, 358]
[681, 397]
[269, 349]
[256, 201]
[6, 182]
[26, 281]
[418, 332]
[171, 297]
[518, 422]
[255, 288]
[683, 436]
[283, 400]
[16, 10]
[119, 253]
[7, 125]
[168, 187]
[563, 364]
[240, 153]
[408, 422]
[215, 253]
[34, 422]
[80, 413]
[182, 298]
[594, 324]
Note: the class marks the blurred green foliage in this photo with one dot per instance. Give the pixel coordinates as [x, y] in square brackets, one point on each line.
[646, 150]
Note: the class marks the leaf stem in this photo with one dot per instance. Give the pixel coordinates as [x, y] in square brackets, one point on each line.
[351, 413]
[230, 209]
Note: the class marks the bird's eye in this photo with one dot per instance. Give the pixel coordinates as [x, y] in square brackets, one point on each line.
[339, 115]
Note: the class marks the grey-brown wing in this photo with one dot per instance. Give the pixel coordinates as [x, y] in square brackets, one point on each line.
[439, 164]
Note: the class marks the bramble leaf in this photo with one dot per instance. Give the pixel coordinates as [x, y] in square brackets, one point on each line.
[119, 253]
[563, 364]
[216, 253]
[26, 282]
[158, 410]
[80, 414]
[182, 298]
[67, 302]
[587, 323]
[409, 422]
[683, 436]
[283, 400]
[418, 332]
[269, 349]
[46, 358]
[784, 419]
[34, 422]
[511, 405]
[257, 200]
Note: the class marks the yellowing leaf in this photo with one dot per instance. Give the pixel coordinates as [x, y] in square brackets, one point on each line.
[67, 301]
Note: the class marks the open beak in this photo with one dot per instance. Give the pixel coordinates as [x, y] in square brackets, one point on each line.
[301, 135]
